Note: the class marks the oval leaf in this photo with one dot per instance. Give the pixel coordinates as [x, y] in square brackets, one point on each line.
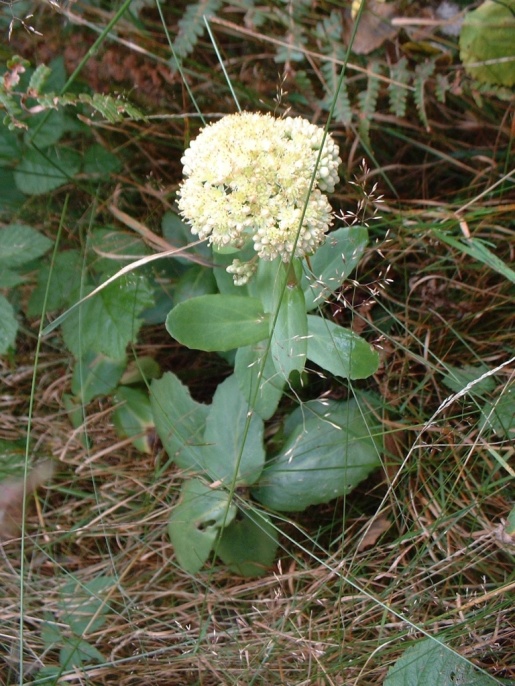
[330, 447]
[234, 443]
[487, 35]
[289, 337]
[340, 351]
[218, 322]
[261, 386]
[248, 545]
[196, 521]
[180, 421]
[333, 262]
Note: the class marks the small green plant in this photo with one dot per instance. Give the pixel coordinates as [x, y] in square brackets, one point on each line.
[255, 187]
[82, 610]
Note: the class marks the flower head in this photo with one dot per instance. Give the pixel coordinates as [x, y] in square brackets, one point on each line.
[248, 178]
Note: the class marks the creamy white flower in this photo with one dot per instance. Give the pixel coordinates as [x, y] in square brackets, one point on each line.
[248, 178]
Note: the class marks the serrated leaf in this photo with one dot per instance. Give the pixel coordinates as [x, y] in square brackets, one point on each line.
[96, 375]
[99, 162]
[20, 244]
[218, 322]
[76, 653]
[180, 421]
[457, 378]
[427, 663]
[8, 325]
[340, 351]
[110, 320]
[234, 449]
[39, 78]
[399, 85]
[41, 172]
[249, 544]
[46, 128]
[11, 199]
[196, 522]
[330, 447]
[498, 415]
[83, 605]
[64, 281]
[192, 26]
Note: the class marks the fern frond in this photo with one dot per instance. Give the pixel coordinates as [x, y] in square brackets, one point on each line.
[368, 100]
[329, 33]
[442, 86]
[398, 87]
[422, 72]
[192, 26]
[111, 108]
[342, 110]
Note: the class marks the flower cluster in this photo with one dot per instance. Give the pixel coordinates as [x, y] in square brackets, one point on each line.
[248, 178]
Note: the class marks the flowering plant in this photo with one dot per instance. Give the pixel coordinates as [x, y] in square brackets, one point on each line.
[250, 177]
[254, 188]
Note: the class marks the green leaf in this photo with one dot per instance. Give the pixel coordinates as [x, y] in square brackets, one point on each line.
[110, 320]
[330, 447]
[134, 417]
[269, 280]
[111, 245]
[457, 378]
[427, 663]
[249, 544]
[99, 162]
[20, 244]
[499, 415]
[195, 281]
[180, 421]
[9, 279]
[510, 523]
[478, 250]
[178, 233]
[234, 444]
[269, 385]
[55, 124]
[487, 36]
[141, 370]
[65, 278]
[289, 337]
[76, 653]
[9, 145]
[11, 199]
[196, 521]
[12, 459]
[333, 262]
[96, 375]
[41, 172]
[218, 322]
[8, 325]
[83, 606]
[340, 351]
